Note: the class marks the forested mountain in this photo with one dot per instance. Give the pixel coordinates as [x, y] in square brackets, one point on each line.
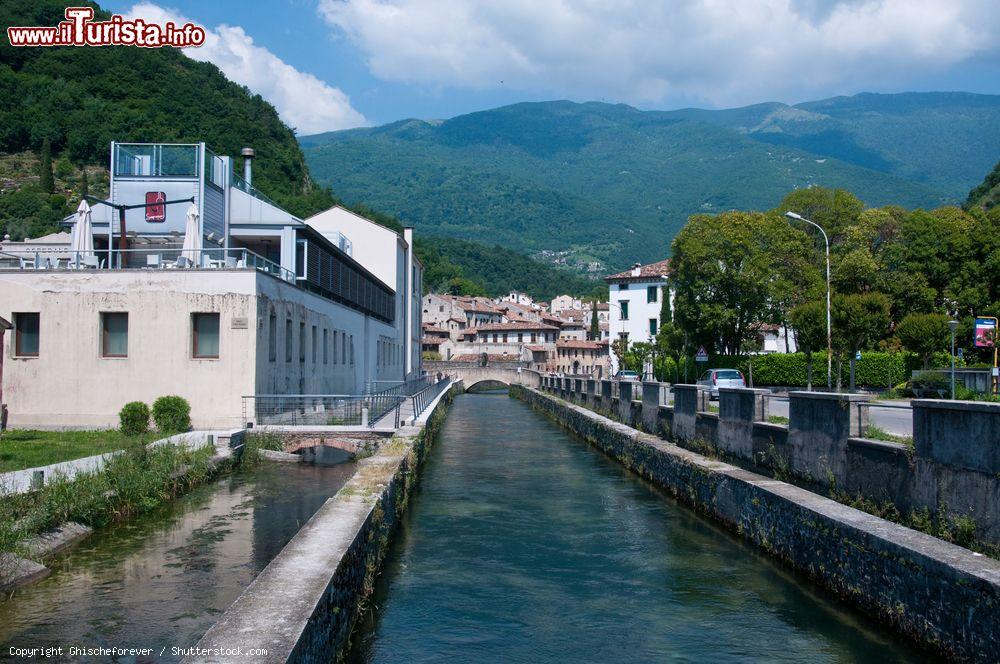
[615, 183]
[61, 107]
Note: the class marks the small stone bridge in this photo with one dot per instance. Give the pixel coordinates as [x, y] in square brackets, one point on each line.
[471, 373]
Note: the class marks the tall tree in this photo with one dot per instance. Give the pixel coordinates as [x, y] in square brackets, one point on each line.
[45, 178]
[924, 334]
[734, 272]
[858, 322]
[595, 325]
[809, 322]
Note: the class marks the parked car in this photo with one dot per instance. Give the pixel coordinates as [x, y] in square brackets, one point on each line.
[713, 379]
[626, 375]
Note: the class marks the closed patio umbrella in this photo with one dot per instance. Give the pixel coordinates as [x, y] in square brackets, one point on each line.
[82, 242]
[192, 237]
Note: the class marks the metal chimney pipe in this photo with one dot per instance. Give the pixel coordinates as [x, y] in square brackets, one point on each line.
[248, 155]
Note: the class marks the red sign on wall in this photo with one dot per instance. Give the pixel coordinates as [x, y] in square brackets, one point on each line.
[156, 213]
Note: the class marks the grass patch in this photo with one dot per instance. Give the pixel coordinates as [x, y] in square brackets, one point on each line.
[133, 482]
[27, 448]
[777, 419]
[712, 408]
[261, 440]
[877, 433]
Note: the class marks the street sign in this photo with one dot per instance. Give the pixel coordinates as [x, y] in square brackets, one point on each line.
[702, 356]
[986, 327]
[961, 353]
[857, 355]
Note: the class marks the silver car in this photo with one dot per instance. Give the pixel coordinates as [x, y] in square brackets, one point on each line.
[713, 379]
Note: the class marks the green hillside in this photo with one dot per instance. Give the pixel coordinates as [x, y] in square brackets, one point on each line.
[987, 194]
[615, 183]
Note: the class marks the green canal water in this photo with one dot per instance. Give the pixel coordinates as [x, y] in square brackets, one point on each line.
[523, 544]
[162, 580]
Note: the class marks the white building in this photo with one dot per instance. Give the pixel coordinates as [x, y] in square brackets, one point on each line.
[636, 297]
[270, 305]
[563, 302]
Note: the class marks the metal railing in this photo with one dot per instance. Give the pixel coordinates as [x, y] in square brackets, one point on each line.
[320, 409]
[424, 397]
[153, 258]
[397, 387]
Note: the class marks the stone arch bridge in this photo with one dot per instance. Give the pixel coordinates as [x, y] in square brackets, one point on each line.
[472, 373]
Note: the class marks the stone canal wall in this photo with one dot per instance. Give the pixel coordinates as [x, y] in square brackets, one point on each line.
[941, 595]
[951, 471]
[305, 604]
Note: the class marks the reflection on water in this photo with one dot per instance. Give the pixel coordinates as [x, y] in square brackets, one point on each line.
[525, 545]
[163, 579]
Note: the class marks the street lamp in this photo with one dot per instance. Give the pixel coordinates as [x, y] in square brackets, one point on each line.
[953, 325]
[829, 334]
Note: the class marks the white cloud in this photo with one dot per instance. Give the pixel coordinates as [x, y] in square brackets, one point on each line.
[716, 51]
[303, 101]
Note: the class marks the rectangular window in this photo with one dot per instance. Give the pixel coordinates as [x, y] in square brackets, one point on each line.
[343, 347]
[622, 286]
[623, 308]
[652, 327]
[652, 293]
[302, 342]
[26, 334]
[205, 336]
[326, 346]
[272, 338]
[315, 341]
[288, 340]
[352, 350]
[114, 334]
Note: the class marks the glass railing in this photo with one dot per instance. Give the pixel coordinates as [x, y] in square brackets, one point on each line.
[215, 169]
[156, 160]
[153, 258]
[244, 186]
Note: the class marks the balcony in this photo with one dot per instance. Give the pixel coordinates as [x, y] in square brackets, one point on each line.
[152, 258]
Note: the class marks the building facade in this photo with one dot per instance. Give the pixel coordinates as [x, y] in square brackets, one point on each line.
[635, 300]
[259, 303]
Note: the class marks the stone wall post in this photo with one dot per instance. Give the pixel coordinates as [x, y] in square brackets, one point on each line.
[963, 434]
[591, 392]
[605, 403]
[625, 390]
[689, 400]
[739, 408]
[819, 425]
[651, 402]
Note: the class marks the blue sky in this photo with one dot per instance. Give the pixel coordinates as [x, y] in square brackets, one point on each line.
[333, 64]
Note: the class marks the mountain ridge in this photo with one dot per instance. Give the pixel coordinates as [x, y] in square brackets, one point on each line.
[557, 175]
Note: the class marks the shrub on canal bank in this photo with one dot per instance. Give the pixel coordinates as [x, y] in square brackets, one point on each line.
[172, 414]
[135, 481]
[133, 418]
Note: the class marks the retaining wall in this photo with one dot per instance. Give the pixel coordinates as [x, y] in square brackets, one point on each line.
[305, 604]
[941, 595]
[952, 469]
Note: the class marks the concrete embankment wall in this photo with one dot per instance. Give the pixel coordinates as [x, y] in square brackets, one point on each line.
[941, 595]
[952, 470]
[304, 605]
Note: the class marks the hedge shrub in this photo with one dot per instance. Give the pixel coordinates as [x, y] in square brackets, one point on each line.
[874, 369]
[133, 418]
[172, 414]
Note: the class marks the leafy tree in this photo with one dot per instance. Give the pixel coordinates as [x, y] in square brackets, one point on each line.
[858, 322]
[45, 178]
[924, 334]
[595, 324]
[734, 272]
[619, 347]
[809, 322]
[833, 209]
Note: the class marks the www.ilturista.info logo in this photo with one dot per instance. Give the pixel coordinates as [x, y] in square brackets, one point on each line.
[79, 29]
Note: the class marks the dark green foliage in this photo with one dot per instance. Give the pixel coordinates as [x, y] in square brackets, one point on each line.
[558, 175]
[46, 181]
[134, 418]
[924, 334]
[172, 414]
[595, 323]
[987, 194]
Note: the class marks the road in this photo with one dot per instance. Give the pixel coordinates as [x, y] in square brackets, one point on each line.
[897, 421]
